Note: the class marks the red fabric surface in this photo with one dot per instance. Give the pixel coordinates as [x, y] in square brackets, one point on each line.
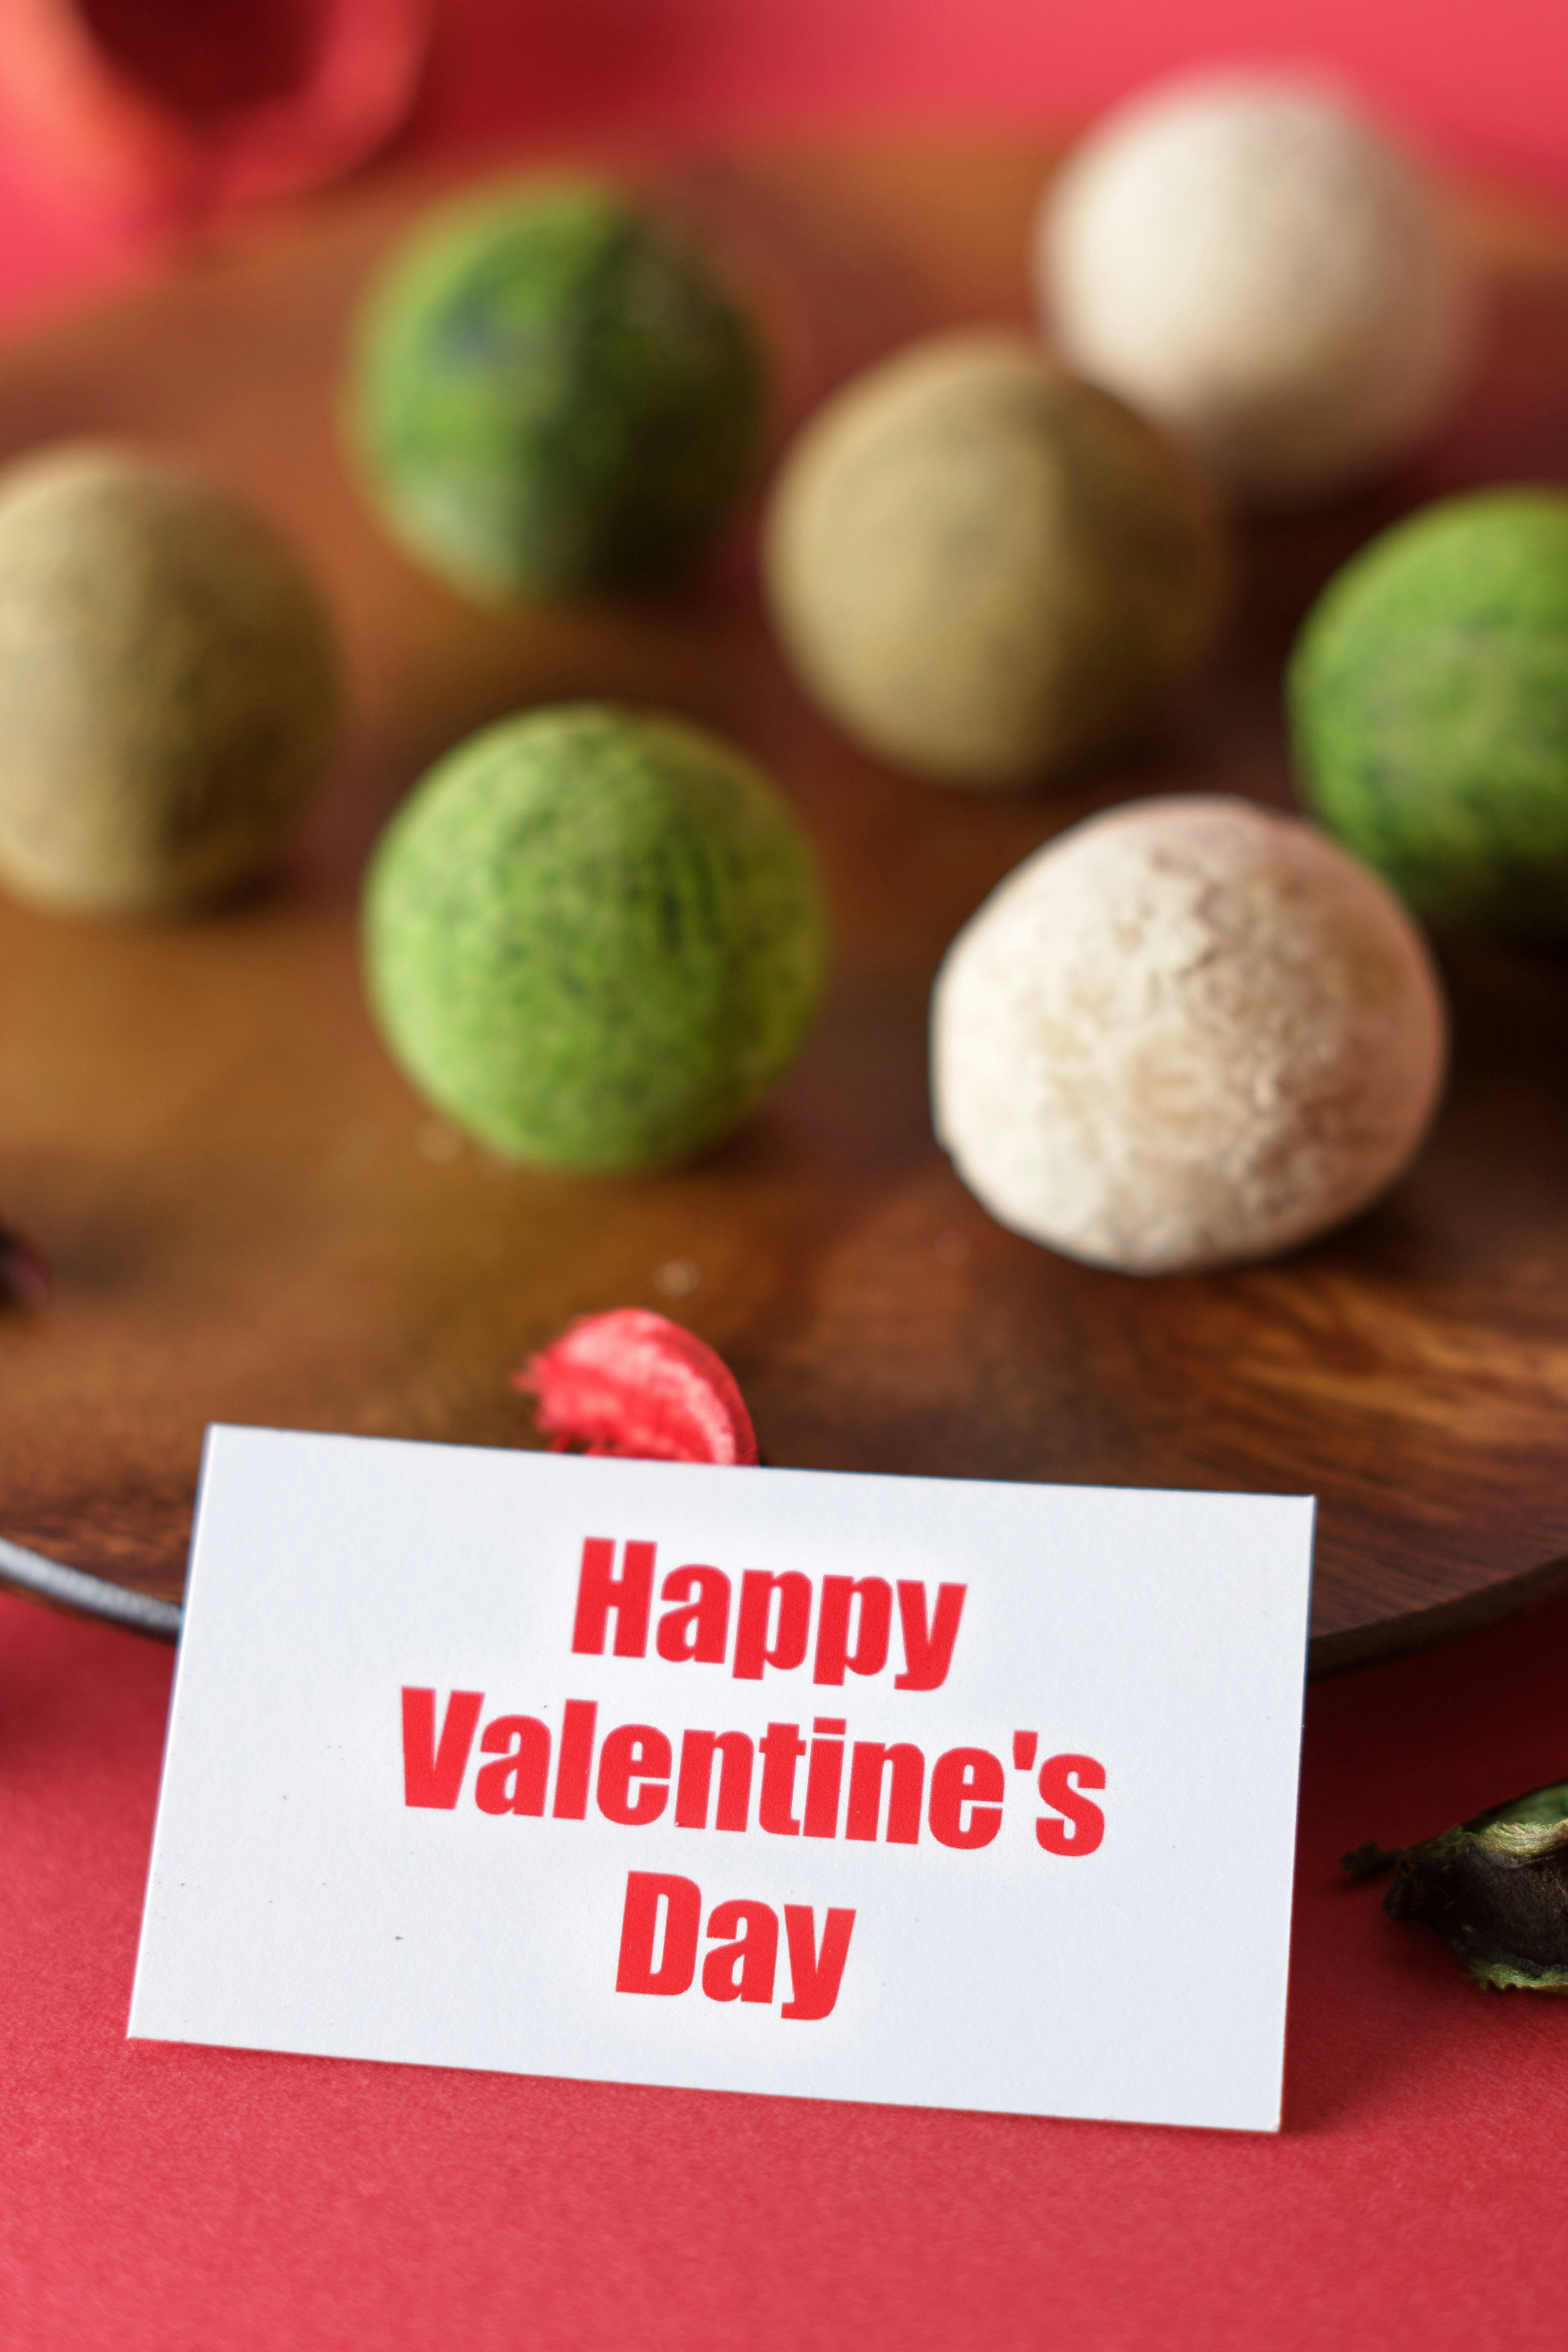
[1483, 84]
[159, 2196]
[1487, 81]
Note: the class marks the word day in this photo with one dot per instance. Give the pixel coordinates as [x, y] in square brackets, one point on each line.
[661, 1926]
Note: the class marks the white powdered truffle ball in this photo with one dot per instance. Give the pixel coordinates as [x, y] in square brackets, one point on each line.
[1249, 261]
[1186, 1034]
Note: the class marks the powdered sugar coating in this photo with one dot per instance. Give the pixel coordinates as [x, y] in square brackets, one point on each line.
[1187, 1033]
[1249, 261]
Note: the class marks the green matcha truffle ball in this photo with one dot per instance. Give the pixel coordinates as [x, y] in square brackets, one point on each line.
[985, 569]
[1429, 706]
[552, 395]
[170, 696]
[595, 938]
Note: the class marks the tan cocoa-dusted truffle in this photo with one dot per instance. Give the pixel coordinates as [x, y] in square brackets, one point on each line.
[169, 684]
[1247, 259]
[985, 569]
[1185, 1034]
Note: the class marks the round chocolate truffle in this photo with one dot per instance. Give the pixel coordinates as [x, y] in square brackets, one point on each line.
[169, 691]
[985, 569]
[1246, 258]
[1185, 1034]
[595, 938]
[1429, 706]
[552, 394]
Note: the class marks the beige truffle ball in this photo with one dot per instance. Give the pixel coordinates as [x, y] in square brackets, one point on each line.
[169, 685]
[1247, 259]
[985, 569]
[1186, 1034]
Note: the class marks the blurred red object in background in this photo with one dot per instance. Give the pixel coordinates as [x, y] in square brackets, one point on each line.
[159, 113]
[171, 81]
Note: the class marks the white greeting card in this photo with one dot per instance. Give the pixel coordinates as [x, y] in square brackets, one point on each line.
[910, 1790]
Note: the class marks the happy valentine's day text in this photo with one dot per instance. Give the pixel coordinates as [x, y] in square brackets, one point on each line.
[661, 1921]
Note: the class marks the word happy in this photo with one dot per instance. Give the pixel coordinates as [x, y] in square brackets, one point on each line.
[773, 1621]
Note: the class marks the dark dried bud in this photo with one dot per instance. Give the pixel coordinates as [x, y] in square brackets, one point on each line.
[24, 1271]
[1497, 1887]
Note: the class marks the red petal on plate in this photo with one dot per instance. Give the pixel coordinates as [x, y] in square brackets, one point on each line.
[633, 1383]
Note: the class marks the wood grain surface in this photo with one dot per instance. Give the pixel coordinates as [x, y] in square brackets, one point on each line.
[252, 1219]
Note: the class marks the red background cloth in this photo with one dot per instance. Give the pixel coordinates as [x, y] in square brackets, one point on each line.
[167, 2198]
[155, 2199]
[1488, 84]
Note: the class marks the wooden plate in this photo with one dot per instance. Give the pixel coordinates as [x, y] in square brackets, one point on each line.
[253, 1220]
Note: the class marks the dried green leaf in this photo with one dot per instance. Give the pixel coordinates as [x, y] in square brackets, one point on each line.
[1496, 1887]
